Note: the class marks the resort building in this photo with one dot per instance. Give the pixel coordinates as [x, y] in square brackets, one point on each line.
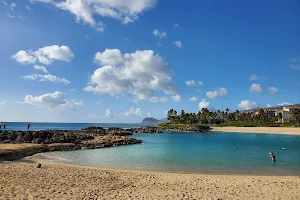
[286, 113]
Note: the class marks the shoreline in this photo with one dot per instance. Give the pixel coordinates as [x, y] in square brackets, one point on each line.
[262, 130]
[40, 158]
[64, 181]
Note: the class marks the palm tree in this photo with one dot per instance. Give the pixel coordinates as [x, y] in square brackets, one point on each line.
[295, 114]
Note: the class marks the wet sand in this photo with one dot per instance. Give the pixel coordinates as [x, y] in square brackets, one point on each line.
[269, 130]
[21, 180]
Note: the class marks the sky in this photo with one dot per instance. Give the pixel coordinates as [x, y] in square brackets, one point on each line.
[123, 60]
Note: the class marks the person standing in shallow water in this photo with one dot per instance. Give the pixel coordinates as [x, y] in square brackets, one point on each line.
[4, 126]
[0, 125]
[28, 126]
[272, 156]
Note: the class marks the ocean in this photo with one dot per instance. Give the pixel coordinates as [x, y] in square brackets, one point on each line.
[64, 126]
[215, 152]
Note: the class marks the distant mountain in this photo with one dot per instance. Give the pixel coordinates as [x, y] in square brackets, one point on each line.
[153, 121]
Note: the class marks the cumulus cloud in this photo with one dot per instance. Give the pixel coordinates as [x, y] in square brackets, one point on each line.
[216, 93]
[54, 101]
[177, 26]
[254, 77]
[159, 34]
[193, 99]
[158, 99]
[140, 74]
[47, 77]
[41, 68]
[295, 63]
[87, 10]
[24, 58]
[246, 105]
[108, 112]
[178, 44]
[134, 112]
[257, 88]
[45, 55]
[193, 83]
[284, 104]
[176, 98]
[268, 105]
[203, 104]
[272, 90]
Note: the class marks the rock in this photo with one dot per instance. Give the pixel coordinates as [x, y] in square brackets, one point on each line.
[28, 137]
[37, 140]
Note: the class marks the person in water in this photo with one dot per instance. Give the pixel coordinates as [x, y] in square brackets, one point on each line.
[272, 156]
[28, 126]
[4, 126]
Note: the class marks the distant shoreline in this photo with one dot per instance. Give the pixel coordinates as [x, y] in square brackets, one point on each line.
[266, 130]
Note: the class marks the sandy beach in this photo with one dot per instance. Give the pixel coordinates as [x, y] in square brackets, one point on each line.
[269, 130]
[59, 181]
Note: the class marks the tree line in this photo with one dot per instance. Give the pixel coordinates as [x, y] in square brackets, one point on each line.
[206, 116]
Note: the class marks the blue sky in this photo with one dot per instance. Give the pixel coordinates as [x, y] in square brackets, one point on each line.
[121, 61]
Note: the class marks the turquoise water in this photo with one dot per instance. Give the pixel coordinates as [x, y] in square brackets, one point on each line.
[198, 152]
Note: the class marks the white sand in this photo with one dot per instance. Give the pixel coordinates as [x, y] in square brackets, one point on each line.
[59, 181]
[270, 130]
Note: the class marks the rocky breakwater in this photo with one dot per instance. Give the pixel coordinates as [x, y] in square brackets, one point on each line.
[18, 144]
[190, 129]
[147, 130]
[108, 131]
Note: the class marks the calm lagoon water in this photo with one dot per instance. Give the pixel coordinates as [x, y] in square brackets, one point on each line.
[217, 152]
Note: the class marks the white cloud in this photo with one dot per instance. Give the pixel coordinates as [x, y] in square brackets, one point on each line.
[133, 112]
[198, 91]
[24, 58]
[268, 105]
[9, 15]
[158, 99]
[109, 57]
[73, 90]
[159, 34]
[54, 101]
[216, 93]
[256, 88]
[260, 89]
[47, 77]
[140, 74]
[45, 55]
[272, 90]
[203, 104]
[176, 98]
[77, 103]
[2, 102]
[87, 10]
[41, 68]
[284, 104]
[295, 63]
[193, 83]
[178, 44]
[177, 26]
[246, 105]
[28, 8]
[98, 102]
[254, 77]
[108, 112]
[193, 99]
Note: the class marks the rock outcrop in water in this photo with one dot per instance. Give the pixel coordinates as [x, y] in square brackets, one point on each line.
[59, 140]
